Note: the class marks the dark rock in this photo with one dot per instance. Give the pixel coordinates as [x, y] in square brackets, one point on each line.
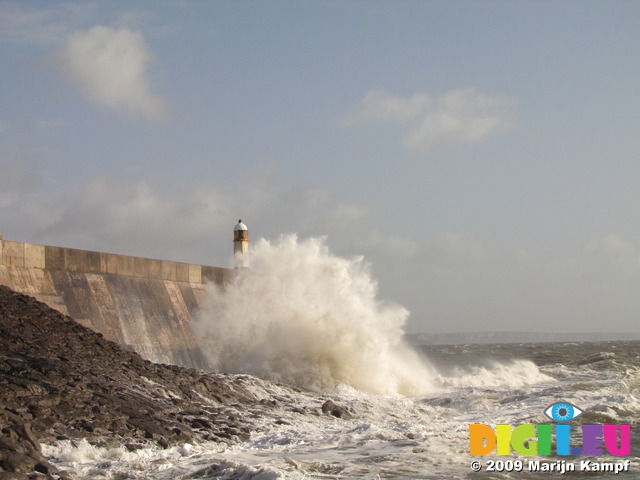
[132, 447]
[13, 476]
[18, 462]
[60, 380]
[330, 408]
[46, 468]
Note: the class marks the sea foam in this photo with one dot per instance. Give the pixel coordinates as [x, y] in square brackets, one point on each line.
[302, 315]
[512, 373]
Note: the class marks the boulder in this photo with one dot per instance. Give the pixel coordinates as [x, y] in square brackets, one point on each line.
[330, 408]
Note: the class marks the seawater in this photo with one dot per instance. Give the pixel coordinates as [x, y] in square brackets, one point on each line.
[306, 316]
[400, 437]
[308, 325]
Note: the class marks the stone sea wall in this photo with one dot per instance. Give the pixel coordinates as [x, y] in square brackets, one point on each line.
[143, 304]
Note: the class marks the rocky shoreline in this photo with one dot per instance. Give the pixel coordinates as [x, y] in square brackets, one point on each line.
[60, 380]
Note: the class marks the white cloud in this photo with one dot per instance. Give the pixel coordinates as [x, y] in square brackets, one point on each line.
[190, 222]
[141, 218]
[611, 245]
[109, 66]
[457, 117]
[614, 251]
[378, 106]
[460, 116]
[22, 25]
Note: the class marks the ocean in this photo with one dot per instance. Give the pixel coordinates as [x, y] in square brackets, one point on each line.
[304, 325]
[424, 436]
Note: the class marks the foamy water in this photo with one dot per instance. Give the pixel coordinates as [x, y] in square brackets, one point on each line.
[305, 316]
[419, 437]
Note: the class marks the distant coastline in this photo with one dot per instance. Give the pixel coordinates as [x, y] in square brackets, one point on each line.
[516, 337]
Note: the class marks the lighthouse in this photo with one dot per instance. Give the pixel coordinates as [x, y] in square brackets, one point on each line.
[240, 245]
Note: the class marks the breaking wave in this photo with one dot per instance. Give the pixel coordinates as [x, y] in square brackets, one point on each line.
[514, 373]
[302, 315]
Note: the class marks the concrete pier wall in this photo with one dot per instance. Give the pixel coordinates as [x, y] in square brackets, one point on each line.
[143, 304]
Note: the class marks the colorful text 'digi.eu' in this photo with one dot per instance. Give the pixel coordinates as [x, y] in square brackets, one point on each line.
[531, 439]
[538, 440]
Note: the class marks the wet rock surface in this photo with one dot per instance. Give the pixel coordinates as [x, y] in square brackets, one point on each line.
[60, 380]
[330, 408]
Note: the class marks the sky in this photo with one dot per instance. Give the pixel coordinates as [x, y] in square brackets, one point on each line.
[482, 156]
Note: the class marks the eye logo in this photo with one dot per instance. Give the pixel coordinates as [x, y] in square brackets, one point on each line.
[562, 412]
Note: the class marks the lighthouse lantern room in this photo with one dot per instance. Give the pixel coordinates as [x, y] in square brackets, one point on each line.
[240, 245]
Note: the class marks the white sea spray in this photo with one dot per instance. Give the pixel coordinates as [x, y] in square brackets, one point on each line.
[302, 315]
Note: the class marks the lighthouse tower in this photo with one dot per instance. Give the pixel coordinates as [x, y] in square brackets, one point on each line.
[240, 245]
